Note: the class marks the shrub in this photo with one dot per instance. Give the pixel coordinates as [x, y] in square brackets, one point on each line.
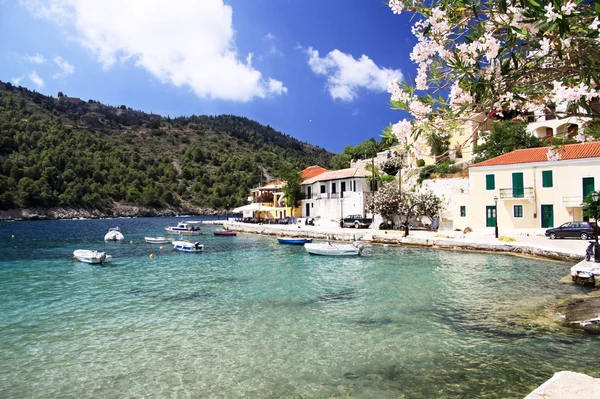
[447, 167]
[157, 132]
[420, 163]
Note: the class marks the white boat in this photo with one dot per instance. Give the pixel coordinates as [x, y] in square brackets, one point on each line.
[185, 228]
[158, 240]
[188, 246]
[114, 234]
[91, 256]
[335, 249]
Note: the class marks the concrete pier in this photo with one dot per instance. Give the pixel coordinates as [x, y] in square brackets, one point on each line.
[568, 385]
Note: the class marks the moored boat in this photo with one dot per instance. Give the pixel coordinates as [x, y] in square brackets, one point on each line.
[329, 249]
[225, 233]
[91, 256]
[294, 240]
[114, 234]
[185, 228]
[157, 240]
[188, 246]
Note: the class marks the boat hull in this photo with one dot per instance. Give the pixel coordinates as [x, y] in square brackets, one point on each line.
[92, 257]
[294, 241]
[157, 240]
[187, 246]
[226, 233]
[334, 250]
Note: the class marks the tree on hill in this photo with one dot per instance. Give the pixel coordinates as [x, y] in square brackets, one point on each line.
[504, 138]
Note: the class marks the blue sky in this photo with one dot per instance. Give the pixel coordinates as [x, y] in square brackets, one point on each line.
[314, 69]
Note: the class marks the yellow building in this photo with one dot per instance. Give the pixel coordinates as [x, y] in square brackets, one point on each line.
[523, 190]
[463, 139]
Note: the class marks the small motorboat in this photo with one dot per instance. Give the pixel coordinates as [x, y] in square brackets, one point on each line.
[114, 234]
[91, 256]
[329, 249]
[157, 240]
[188, 246]
[293, 240]
[226, 233]
[185, 228]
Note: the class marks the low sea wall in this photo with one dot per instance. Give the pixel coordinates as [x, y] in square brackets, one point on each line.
[397, 238]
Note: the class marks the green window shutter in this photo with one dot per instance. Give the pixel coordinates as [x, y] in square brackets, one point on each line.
[518, 211]
[547, 178]
[490, 182]
[463, 211]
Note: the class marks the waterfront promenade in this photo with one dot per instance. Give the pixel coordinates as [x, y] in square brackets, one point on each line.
[571, 250]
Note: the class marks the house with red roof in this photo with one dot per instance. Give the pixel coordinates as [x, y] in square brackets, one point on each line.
[268, 201]
[529, 190]
[338, 193]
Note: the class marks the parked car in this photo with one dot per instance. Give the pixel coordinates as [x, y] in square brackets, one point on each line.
[356, 221]
[583, 230]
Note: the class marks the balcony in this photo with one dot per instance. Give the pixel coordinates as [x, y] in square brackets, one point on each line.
[265, 198]
[517, 193]
[572, 202]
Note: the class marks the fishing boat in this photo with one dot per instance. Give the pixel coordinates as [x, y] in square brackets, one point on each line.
[294, 240]
[157, 240]
[114, 234]
[329, 249]
[91, 256]
[226, 233]
[185, 228]
[188, 246]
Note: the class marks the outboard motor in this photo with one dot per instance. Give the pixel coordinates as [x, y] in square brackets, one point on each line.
[592, 252]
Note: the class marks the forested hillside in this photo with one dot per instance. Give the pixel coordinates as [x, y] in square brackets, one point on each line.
[72, 153]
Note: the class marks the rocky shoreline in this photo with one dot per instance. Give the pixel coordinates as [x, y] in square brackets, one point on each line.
[118, 210]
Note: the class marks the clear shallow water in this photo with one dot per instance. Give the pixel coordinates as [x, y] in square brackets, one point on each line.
[251, 318]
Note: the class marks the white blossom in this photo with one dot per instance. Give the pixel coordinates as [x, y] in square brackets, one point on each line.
[396, 91]
[458, 97]
[402, 130]
[545, 45]
[567, 9]
[553, 155]
[397, 6]
[418, 109]
[551, 15]
[595, 24]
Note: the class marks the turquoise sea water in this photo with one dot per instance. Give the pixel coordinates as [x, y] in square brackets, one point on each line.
[251, 318]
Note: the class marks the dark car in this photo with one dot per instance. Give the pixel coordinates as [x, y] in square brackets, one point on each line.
[583, 230]
[356, 221]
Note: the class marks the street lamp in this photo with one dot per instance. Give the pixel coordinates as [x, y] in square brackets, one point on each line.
[596, 251]
[496, 218]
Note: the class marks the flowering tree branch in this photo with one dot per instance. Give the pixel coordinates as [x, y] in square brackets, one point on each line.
[540, 57]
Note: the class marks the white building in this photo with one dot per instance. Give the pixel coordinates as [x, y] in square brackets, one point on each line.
[338, 193]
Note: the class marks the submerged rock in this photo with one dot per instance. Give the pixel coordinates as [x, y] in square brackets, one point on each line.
[582, 313]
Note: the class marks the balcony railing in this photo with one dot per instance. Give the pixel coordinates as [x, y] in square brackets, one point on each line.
[572, 202]
[517, 193]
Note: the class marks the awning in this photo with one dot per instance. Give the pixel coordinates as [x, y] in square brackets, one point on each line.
[255, 207]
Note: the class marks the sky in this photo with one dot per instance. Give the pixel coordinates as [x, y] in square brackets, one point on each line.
[317, 70]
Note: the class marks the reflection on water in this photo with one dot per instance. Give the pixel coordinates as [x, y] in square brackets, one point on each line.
[251, 318]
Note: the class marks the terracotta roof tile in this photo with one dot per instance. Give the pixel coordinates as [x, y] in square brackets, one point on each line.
[356, 171]
[312, 171]
[569, 151]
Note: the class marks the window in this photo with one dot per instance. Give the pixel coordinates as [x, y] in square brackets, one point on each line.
[518, 211]
[333, 188]
[323, 189]
[490, 182]
[547, 178]
[463, 211]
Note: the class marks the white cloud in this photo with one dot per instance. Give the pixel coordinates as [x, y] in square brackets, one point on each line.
[269, 38]
[347, 76]
[36, 80]
[36, 58]
[182, 42]
[66, 68]
[17, 81]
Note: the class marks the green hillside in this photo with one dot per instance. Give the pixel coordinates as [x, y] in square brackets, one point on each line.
[72, 153]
